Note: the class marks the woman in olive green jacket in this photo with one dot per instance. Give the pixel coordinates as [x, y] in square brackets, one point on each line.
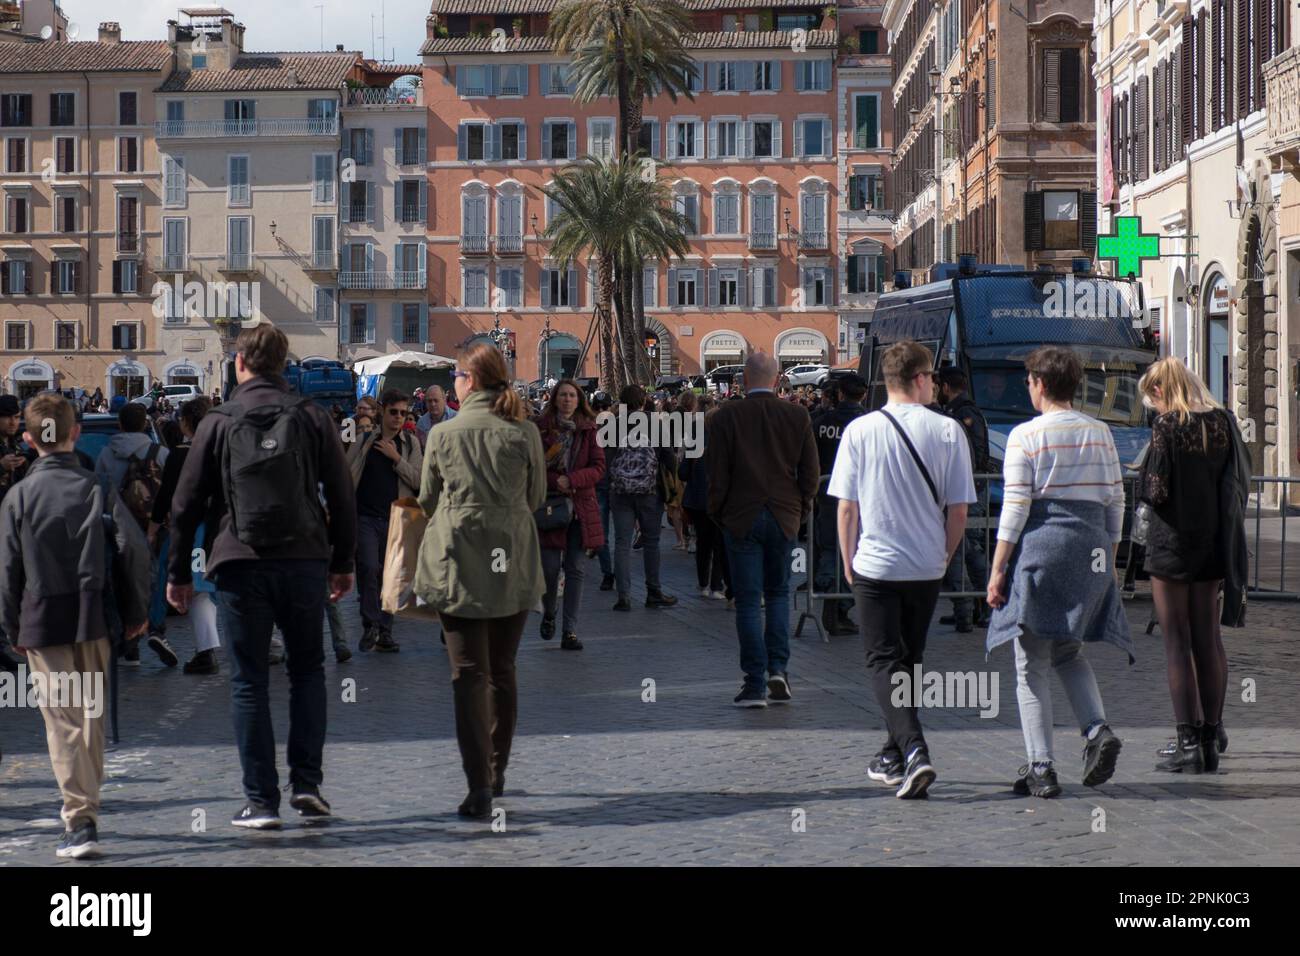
[480, 564]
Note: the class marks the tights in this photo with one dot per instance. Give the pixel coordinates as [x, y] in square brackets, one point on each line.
[1188, 612]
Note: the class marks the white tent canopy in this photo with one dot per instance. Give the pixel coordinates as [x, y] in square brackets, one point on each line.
[381, 364]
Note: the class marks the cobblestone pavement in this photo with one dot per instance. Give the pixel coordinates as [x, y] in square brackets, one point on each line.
[600, 776]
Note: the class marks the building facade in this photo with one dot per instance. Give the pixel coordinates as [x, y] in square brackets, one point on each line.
[250, 146]
[28, 21]
[1183, 117]
[1000, 94]
[80, 183]
[384, 202]
[751, 160]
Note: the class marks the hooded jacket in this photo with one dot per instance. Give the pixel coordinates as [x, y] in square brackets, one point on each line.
[117, 454]
[52, 557]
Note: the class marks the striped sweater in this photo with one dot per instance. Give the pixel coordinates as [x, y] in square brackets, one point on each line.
[1061, 455]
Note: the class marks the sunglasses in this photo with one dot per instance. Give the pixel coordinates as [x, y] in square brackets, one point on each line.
[395, 411]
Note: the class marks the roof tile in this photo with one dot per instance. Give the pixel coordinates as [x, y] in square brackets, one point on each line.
[749, 40]
[267, 72]
[90, 56]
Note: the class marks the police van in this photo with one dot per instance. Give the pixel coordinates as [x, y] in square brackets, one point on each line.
[986, 319]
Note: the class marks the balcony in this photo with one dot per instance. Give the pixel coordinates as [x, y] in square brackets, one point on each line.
[812, 240]
[379, 281]
[171, 262]
[1282, 89]
[128, 242]
[762, 240]
[358, 212]
[384, 96]
[238, 263]
[322, 262]
[476, 244]
[223, 129]
[411, 213]
[509, 245]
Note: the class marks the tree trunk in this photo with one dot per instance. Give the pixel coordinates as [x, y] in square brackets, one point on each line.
[604, 293]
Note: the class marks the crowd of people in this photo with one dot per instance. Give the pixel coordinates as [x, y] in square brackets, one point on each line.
[288, 506]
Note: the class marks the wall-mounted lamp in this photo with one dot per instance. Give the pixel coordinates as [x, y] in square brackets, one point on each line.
[533, 222]
[273, 227]
[787, 219]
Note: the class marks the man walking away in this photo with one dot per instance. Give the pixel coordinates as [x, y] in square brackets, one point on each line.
[763, 473]
[954, 395]
[58, 592]
[903, 477]
[384, 465]
[133, 463]
[253, 474]
[13, 465]
[828, 427]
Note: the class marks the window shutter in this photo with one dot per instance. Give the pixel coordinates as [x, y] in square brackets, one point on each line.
[574, 301]
[492, 80]
[823, 74]
[462, 146]
[523, 140]
[800, 75]
[854, 273]
[1243, 58]
[775, 74]
[398, 158]
[826, 138]
[711, 76]
[422, 146]
[117, 277]
[713, 139]
[573, 140]
[370, 147]
[521, 76]
[1204, 64]
[372, 202]
[798, 137]
[54, 277]
[654, 140]
[546, 288]
[745, 75]
[398, 331]
[776, 138]
[461, 73]
[424, 200]
[1158, 117]
[424, 322]
[398, 192]
[741, 288]
[1142, 139]
[649, 287]
[713, 287]
[672, 288]
[1033, 220]
[1052, 86]
[770, 295]
[1088, 222]
[544, 78]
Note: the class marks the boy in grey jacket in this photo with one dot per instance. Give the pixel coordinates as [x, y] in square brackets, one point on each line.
[53, 580]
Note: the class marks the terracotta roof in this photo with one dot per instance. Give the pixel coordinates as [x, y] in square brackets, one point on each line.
[506, 7]
[267, 71]
[763, 40]
[89, 55]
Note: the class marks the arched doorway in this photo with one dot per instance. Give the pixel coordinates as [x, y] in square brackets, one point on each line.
[29, 378]
[557, 356]
[127, 379]
[183, 373]
[1256, 327]
[800, 347]
[662, 359]
[1216, 346]
[723, 347]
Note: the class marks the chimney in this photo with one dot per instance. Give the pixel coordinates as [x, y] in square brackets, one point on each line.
[110, 32]
[293, 76]
[172, 28]
[338, 47]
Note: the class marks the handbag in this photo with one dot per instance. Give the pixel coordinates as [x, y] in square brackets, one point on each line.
[555, 513]
[1141, 528]
[406, 527]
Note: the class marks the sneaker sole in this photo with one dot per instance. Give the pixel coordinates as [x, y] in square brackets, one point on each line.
[88, 851]
[915, 786]
[309, 806]
[165, 653]
[381, 649]
[778, 692]
[887, 780]
[750, 704]
[1107, 757]
[258, 824]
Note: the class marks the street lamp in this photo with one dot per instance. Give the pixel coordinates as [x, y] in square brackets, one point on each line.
[533, 222]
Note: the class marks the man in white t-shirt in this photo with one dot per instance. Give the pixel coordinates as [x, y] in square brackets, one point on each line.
[903, 477]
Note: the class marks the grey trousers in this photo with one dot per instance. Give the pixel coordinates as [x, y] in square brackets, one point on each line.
[1036, 658]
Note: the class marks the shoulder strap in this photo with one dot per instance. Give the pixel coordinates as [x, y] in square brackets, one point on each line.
[925, 472]
[152, 454]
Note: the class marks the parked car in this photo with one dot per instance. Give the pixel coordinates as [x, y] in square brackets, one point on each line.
[723, 374]
[838, 371]
[97, 429]
[801, 375]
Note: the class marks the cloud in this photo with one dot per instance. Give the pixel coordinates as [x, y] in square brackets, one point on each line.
[283, 25]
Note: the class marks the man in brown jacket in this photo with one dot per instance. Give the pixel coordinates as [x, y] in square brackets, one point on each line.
[763, 473]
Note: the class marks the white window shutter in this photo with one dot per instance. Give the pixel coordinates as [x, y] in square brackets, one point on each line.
[776, 138]
[699, 137]
[573, 140]
[523, 140]
[654, 140]
[713, 134]
[798, 137]
[746, 139]
[826, 137]
[546, 288]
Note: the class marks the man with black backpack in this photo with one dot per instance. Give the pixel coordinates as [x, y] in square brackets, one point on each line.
[133, 464]
[254, 473]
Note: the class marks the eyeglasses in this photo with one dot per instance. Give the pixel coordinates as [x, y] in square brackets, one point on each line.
[460, 374]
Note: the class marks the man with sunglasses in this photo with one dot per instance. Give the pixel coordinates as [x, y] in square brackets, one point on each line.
[385, 466]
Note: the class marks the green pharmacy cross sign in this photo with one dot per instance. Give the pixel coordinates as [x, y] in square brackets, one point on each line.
[1128, 246]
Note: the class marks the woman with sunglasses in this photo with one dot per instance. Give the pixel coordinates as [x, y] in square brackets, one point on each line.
[479, 565]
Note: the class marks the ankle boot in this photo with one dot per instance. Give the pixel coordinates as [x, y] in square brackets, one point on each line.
[1210, 747]
[1188, 758]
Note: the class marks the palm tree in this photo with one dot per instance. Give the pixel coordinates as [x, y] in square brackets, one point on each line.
[626, 49]
[606, 209]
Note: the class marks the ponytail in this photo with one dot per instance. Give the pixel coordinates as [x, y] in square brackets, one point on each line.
[508, 405]
[490, 374]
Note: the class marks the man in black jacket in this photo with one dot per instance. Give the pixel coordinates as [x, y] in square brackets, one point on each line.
[828, 428]
[953, 392]
[272, 583]
[54, 585]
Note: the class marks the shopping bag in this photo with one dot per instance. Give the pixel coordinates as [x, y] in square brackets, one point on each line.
[406, 524]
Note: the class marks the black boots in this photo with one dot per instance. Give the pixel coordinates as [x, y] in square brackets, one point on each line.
[1213, 740]
[1189, 757]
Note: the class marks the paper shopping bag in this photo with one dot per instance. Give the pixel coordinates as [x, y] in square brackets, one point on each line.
[406, 524]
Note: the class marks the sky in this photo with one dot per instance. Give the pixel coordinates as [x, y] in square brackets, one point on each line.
[280, 25]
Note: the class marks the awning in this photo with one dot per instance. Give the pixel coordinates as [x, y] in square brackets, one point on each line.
[724, 344]
[801, 352]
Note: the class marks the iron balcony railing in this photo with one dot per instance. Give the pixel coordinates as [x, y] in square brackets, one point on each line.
[384, 96]
[473, 243]
[509, 244]
[239, 262]
[812, 240]
[324, 261]
[201, 129]
[762, 240]
[381, 280]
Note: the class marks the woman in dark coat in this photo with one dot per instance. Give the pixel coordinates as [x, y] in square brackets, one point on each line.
[575, 462]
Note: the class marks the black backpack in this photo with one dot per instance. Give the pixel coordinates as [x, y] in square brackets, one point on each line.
[268, 471]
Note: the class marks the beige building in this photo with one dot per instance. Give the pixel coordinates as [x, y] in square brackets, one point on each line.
[1182, 121]
[249, 146]
[383, 276]
[80, 183]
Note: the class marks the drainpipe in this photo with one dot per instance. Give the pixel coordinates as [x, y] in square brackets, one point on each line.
[91, 206]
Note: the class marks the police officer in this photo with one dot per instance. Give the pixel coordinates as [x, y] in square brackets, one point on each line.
[953, 392]
[828, 429]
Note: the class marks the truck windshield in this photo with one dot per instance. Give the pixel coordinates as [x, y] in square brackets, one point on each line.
[1108, 392]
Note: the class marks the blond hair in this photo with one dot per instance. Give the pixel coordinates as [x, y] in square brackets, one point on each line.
[1180, 389]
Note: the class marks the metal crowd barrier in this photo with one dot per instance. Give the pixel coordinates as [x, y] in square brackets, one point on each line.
[1266, 535]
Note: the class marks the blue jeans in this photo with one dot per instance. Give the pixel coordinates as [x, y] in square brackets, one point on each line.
[759, 563]
[629, 511]
[158, 587]
[253, 597]
[602, 499]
